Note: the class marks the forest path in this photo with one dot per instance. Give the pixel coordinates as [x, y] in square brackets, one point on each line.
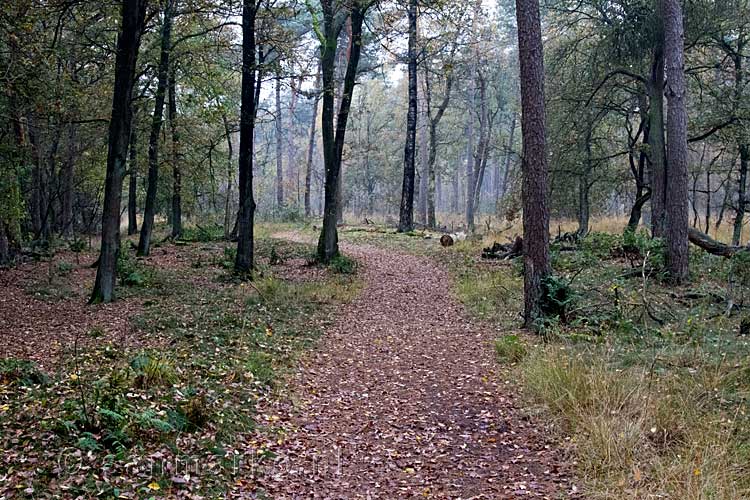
[403, 398]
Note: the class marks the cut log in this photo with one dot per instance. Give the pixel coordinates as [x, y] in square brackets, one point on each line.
[450, 239]
[712, 246]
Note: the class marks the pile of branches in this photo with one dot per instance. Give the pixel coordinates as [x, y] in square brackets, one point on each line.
[507, 251]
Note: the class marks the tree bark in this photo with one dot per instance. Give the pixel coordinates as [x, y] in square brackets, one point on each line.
[128, 42]
[433, 122]
[642, 192]
[311, 146]
[176, 169]
[230, 176]
[133, 181]
[657, 154]
[333, 145]
[712, 246]
[508, 156]
[741, 194]
[406, 218]
[147, 226]
[677, 216]
[243, 263]
[279, 149]
[535, 174]
[584, 186]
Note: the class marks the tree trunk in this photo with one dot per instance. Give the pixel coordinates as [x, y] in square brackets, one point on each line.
[333, 145]
[642, 192]
[677, 217]
[584, 186]
[708, 200]
[128, 42]
[176, 169]
[279, 149]
[535, 174]
[230, 175]
[311, 146]
[243, 263]
[66, 218]
[144, 243]
[406, 218]
[657, 155]
[424, 167]
[133, 181]
[508, 156]
[741, 194]
[712, 246]
[433, 122]
[482, 154]
[291, 164]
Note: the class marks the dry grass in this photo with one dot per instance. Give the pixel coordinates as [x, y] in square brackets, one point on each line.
[638, 433]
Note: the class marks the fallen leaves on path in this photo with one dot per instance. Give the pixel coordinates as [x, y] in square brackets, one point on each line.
[402, 398]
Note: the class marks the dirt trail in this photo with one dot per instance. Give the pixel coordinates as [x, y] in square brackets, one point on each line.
[402, 398]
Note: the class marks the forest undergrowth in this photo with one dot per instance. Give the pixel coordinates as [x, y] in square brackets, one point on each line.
[171, 410]
[648, 384]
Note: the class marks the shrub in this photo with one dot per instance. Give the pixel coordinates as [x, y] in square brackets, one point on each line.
[557, 297]
[343, 265]
[203, 234]
[129, 271]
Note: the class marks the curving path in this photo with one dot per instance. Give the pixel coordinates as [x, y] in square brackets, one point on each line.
[402, 398]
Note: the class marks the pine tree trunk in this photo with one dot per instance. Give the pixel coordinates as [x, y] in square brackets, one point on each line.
[657, 153]
[535, 174]
[128, 42]
[677, 216]
[149, 211]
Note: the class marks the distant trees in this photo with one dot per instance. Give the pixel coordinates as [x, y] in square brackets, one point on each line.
[131, 28]
[535, 195]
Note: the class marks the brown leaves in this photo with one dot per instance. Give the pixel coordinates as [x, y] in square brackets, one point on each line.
[401, 399]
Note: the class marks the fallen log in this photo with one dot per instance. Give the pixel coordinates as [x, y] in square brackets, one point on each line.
[504, 251]
[710, 245]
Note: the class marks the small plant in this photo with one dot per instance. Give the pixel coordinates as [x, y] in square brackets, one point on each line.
[152, 372]
[21, 372]
[260, 365]
[64, 268]
[96, 332]
[343, 265]
[557, 297]
[510, 349]
[128, 270]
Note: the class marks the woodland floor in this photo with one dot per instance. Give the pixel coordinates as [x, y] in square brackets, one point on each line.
[309, 383]
[403, 397]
